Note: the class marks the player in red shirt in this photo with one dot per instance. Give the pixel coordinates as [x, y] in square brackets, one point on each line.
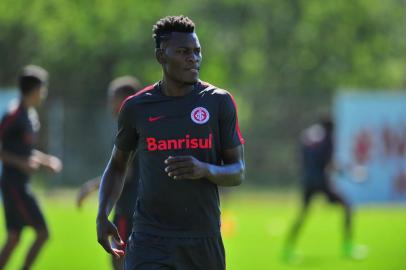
[18, 132]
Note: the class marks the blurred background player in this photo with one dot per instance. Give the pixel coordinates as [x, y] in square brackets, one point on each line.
[118, 91]
[317, 147]
[18, 131]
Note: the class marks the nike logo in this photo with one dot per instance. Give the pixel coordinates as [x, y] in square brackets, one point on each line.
[153, 119]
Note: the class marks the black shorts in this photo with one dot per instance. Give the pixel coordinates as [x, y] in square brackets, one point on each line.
[328, 191]
[147, 252]
[21, 208]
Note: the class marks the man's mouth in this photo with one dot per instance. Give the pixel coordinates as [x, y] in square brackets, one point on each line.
[194, 69]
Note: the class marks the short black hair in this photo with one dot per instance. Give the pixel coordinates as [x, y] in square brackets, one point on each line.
[164, 27]
[327, 122]
[31, 78]
[124, 86]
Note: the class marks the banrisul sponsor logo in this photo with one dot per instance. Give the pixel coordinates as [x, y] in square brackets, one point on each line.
[187, 142]
[200, 115]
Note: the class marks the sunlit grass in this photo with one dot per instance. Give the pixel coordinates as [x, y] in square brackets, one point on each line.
[254, 227]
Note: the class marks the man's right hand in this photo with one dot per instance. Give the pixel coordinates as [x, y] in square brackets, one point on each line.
[30, 165]
[53, 164]
[105, 230]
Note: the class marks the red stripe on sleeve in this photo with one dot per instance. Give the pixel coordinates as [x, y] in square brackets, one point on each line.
[237, 126]
[146, 89]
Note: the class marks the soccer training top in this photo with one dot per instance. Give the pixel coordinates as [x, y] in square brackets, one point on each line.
[202, 124]
[126, 203]
[18, 131]
[317, 153]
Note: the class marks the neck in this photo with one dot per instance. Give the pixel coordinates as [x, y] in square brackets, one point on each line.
[175, 89]
[26, 102]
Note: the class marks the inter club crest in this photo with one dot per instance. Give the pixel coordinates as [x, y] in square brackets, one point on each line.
[200, 115]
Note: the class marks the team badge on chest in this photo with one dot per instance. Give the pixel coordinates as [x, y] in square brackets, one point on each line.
[200, 115]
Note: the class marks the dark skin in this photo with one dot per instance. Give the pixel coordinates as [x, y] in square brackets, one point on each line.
[180, 58]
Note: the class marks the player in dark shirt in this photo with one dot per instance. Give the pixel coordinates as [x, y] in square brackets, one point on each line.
[317, 147]
[189, 143]
[119, 89]
[18, 130]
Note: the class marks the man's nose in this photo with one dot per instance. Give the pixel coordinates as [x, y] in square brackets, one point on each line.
[195, 58]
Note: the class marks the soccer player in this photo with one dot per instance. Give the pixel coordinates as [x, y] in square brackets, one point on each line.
[317, 152]
[18, 130]
[189, 143]
[118, 90]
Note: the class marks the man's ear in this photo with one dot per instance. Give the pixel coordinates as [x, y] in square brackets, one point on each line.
[160, 55]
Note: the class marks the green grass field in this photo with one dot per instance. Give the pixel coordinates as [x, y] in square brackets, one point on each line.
[255, 227]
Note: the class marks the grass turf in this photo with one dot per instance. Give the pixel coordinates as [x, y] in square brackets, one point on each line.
[255, 226]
